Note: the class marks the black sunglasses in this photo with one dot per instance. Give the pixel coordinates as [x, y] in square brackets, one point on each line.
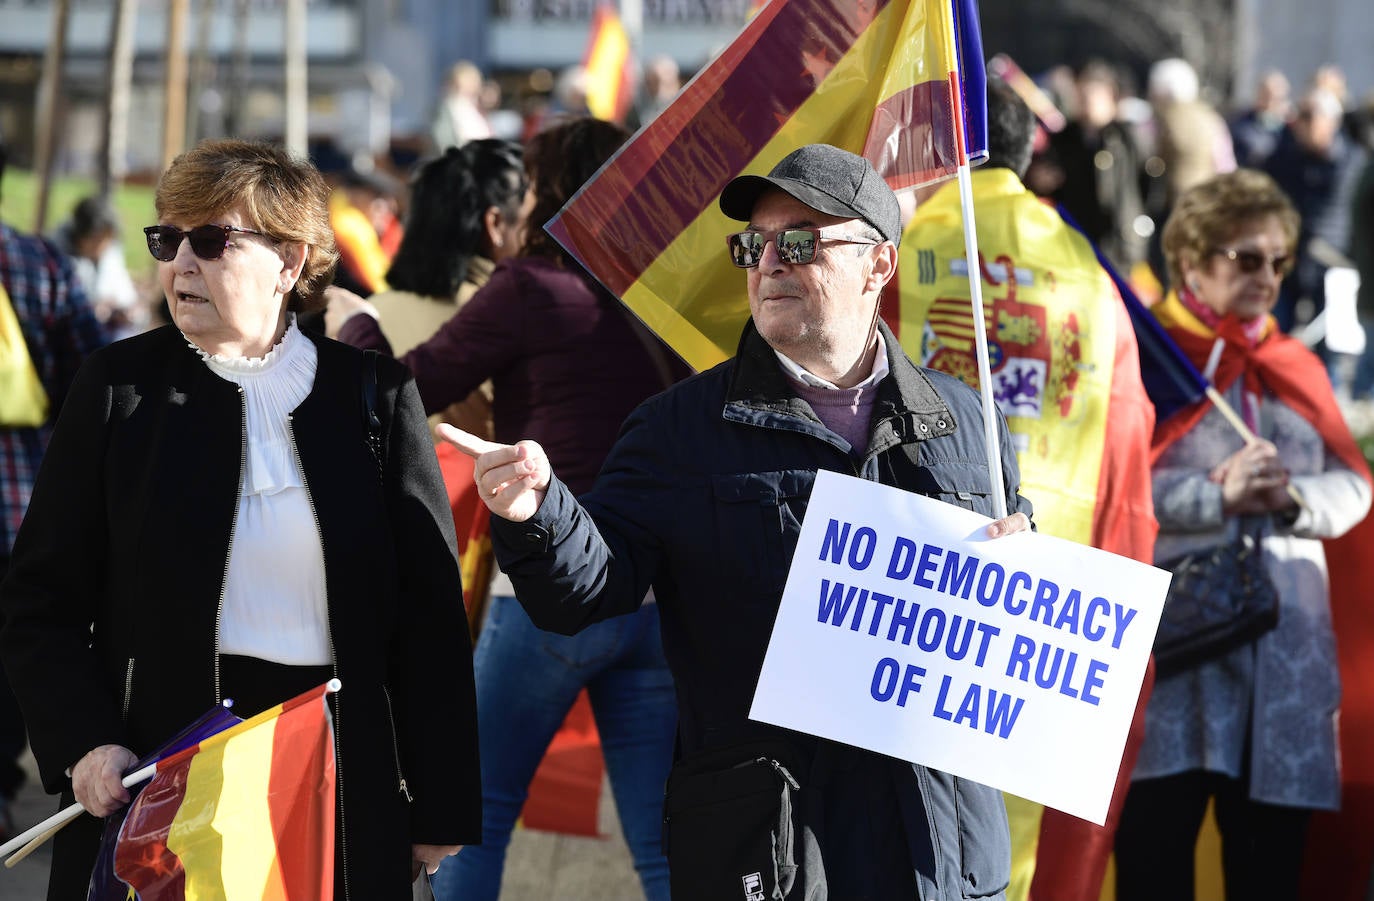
[1251, 261]
[207, 241]
[795, 245]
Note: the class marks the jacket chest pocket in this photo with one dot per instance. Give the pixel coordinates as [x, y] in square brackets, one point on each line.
[757, 520]
[964, 485]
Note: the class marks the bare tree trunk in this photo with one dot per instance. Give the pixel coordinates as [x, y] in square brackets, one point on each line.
[238, 71]
[49, 91]
[296, 79]
[119, 69]
[174, 87]
[202, 69]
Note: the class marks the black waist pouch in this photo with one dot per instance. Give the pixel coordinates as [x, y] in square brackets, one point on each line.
[727, 824]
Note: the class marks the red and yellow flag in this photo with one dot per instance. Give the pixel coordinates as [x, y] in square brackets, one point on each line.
[1064, 362]
[1066, 372]
[872, 76]
[608, 64]
[245, 814]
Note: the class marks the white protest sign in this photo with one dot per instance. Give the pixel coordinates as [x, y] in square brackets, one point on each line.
[1015, 662]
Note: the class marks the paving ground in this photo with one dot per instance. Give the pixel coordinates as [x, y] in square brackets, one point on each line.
[540, 867]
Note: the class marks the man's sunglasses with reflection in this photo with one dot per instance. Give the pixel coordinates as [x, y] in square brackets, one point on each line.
[794, 245]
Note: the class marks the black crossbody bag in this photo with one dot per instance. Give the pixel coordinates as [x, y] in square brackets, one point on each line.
[1220, 599]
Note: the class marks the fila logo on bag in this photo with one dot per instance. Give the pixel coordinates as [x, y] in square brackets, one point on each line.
[753, 887]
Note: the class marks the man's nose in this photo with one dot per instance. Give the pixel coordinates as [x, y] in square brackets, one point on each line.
[770, 260]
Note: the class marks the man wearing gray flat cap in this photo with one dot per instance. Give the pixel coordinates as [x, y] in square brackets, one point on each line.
[702, 498]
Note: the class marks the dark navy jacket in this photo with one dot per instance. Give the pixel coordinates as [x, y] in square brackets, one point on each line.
[703, 497]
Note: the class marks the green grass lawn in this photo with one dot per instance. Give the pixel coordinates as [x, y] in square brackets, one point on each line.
[134, 203]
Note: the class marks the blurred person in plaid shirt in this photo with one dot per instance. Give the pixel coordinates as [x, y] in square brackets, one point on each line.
[60, 329]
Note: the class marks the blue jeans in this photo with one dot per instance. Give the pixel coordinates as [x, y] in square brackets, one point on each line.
[527, 680]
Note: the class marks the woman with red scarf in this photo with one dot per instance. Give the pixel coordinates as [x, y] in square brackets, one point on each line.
[1254, 729]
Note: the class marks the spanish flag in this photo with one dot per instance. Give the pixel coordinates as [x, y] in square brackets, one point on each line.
[247, 813]
[900, 81]
[608, 62]
[1066, 372]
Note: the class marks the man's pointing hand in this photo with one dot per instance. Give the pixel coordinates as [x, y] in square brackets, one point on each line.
[511, 478]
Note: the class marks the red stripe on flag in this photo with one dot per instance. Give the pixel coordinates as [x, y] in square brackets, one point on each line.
[666, 166]
[955, 99]
[300, 796]
[928, 136]
[142, 858]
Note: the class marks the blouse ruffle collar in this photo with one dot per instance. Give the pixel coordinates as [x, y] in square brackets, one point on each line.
[273, 386]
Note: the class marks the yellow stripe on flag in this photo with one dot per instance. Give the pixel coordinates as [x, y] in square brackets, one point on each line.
[238, 819]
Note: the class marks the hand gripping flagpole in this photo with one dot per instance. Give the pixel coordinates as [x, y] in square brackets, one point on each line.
[29, 840]
[975, 280]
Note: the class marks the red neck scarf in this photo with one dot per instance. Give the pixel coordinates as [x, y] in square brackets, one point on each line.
[1266, 359]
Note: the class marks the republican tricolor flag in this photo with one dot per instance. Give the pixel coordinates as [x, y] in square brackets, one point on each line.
[900, 81]
[247, 813]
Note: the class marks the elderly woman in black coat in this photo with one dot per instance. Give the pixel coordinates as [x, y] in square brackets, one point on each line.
[218, 517]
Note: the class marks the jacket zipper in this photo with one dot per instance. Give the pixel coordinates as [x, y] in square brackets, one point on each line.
[128, 688]
[334, 653]
[396, 746]
[233, 527]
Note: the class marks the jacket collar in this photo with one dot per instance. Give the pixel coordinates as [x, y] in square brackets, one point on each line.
[908, 407]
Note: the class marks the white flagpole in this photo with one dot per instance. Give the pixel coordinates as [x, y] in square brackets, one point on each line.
[975, 282]
[30, 839]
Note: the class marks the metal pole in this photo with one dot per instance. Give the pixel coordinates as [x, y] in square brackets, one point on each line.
[296, 90]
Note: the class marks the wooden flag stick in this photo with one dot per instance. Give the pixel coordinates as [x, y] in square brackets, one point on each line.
[1244, 431]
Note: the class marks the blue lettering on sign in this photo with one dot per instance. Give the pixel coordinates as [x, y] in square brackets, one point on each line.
[903, 555]
[928, 639]
[999, 711]
[1090, 631]
[860, 552]
[1053, 668]
[884, 683]
[1014, 605]
[834, 605]
[957, 581]
[990, 584]
[884, 679]
[1042, 608]
[928, 563]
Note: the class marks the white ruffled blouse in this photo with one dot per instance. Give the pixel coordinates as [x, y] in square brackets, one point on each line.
[274, 595]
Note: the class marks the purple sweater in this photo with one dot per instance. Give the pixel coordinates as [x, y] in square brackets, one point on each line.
[566, 366]
[846, 411]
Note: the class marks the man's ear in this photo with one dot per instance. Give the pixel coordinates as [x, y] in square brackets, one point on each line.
[884, 258]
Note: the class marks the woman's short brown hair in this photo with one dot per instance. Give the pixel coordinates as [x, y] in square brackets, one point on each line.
[284, 196]
[1210, 214]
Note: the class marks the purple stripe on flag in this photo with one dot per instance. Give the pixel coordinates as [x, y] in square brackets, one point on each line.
[968, 39]
[679, 163]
